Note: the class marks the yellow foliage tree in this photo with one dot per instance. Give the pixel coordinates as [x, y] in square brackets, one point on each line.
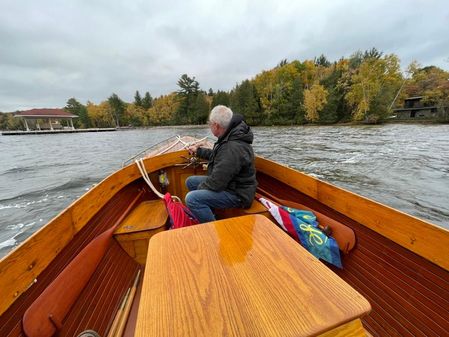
[431, 82]
[135, 114]
[100, 115]
[373, 76]
[265, 86]
[163, 110]
[315, 99]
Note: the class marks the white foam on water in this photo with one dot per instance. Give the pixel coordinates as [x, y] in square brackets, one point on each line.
[8, 243]
[15, 227]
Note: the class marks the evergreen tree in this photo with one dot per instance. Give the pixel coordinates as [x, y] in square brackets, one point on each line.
[187, 94]
[322, 61]
[147, 101]
[201, 109]
[297, 101]
[373, 53]
[282, 63]
[244, 100]
[137, 99]
[332, 111]
[76, 108]
[221, 98]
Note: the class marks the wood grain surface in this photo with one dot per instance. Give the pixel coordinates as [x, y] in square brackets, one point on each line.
[240, 277]
[149, 214]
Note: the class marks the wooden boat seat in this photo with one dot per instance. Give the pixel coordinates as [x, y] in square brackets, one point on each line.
[149, 215]
[148, 218]
[256, 208]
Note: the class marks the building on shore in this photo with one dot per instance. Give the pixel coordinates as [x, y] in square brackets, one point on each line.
[46, 119]
[415, 109]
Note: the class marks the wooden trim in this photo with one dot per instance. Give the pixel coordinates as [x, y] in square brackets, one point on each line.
[420, 237]
[351, 329]
[22, 266]
[20, 269]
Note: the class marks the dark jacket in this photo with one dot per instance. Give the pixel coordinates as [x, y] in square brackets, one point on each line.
[231, 162]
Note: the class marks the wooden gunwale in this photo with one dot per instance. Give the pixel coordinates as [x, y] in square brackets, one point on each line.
[420, 237]
[26, 263]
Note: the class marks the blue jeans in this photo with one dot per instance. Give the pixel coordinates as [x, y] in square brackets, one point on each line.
[201, 202]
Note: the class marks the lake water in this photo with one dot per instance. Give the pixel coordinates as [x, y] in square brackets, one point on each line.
[403, 166]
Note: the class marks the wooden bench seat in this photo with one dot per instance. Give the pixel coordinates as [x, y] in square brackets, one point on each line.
[148, 218]
[256, 208]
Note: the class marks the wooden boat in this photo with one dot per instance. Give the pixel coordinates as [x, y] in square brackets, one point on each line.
[79, 271]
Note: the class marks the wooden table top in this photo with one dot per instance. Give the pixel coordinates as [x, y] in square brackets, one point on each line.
[240, 277]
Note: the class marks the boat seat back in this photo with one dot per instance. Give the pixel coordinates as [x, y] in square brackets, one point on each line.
[255, 208]
[45, 316]
[344, 235]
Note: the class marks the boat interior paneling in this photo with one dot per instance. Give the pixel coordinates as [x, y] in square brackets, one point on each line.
[407, 283]
[11, 320]
[397, 282]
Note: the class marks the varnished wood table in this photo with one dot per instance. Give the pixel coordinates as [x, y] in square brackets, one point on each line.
[242, 277]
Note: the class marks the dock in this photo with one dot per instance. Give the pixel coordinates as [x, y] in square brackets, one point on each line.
[46, 132]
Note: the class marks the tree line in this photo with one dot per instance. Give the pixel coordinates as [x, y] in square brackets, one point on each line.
[363, 87]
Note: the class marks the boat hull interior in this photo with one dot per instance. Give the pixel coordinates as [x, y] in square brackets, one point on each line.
[407, 288]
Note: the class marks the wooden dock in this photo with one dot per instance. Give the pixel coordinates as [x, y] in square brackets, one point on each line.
[46, 132]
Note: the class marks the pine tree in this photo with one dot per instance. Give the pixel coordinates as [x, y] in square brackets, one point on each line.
[187, 94]
[137, 99]
[244, 100]
[147, 101]
[201, 109]
[221, 98]
[76, 108]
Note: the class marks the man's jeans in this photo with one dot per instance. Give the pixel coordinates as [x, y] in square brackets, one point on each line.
[200, 202]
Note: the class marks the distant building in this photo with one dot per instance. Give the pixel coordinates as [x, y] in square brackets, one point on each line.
[415, 109]
[46, 119]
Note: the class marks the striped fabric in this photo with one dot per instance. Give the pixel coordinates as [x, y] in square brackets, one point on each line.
[302, 226]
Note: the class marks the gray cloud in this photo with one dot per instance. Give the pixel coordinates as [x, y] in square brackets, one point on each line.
[51, 51]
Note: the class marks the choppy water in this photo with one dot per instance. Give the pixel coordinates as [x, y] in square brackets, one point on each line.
[403, 166]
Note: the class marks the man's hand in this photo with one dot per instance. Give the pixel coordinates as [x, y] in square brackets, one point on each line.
[193, 148]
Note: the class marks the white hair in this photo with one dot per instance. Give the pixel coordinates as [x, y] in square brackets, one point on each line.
[221, 115]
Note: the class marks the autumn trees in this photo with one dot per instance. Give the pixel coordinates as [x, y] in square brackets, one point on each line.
[373, 86]
[362, 87]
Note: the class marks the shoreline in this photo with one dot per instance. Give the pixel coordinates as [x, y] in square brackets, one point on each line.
[46, 132]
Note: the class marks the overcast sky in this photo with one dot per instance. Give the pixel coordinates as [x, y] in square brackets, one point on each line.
[53, 50]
